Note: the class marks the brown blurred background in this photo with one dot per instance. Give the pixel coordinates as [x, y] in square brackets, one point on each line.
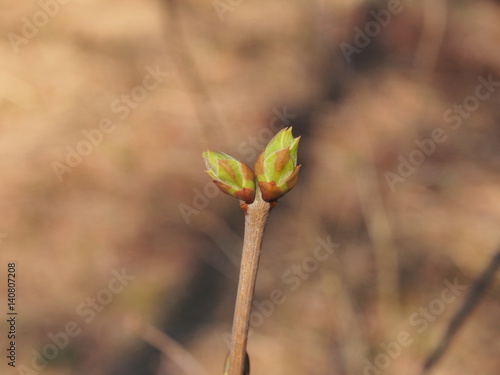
[152, 84]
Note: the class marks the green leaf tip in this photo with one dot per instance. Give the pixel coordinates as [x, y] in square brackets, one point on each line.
[227, 364]
[276, 168]
[231, 175]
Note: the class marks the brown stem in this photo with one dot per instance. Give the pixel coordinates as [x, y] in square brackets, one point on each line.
[255, 222]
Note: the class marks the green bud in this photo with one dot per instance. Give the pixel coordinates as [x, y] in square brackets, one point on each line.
[230, 175]
[276, 168]
[227, 364]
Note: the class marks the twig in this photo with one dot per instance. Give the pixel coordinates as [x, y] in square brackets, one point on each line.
[381, 236]
[189, 72]
[256, 216]
[170, 348]
[431, 37]
[276, 173]
[471, 301]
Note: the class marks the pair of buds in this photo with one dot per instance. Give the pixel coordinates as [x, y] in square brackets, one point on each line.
[276, 170]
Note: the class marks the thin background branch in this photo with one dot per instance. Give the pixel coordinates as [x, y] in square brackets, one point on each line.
[434, 25]
[171, 349]
[188, 70]
[471, 301]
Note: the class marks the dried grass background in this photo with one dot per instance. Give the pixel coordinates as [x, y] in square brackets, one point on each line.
[121, 206]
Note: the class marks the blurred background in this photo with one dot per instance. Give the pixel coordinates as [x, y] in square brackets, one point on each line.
[125, 249]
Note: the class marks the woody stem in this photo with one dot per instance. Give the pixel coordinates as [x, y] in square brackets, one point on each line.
[256, 216]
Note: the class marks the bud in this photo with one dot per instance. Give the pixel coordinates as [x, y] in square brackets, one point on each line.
[227, 364]
[230, 175]
[276, 168]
